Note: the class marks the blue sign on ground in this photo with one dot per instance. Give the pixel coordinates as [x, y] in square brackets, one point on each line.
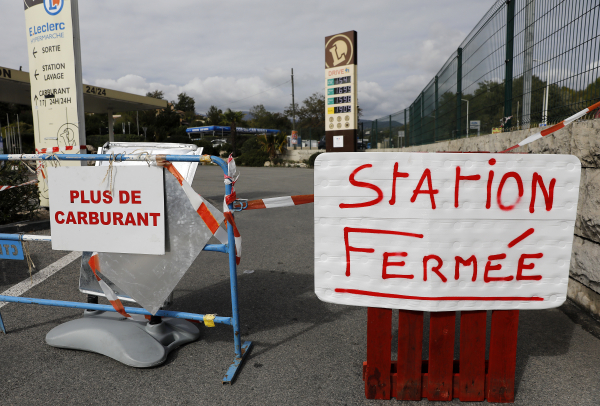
[11, 249]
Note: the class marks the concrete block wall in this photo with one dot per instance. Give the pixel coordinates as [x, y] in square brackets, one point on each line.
[299, 155]
[581, 139]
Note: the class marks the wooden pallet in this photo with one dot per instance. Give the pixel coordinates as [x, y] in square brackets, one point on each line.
[471, 378]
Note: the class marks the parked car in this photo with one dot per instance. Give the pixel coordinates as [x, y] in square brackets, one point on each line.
[322, 143]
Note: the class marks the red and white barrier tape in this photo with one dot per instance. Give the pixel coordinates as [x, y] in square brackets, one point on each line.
[230, 179]
[554, 128]
[283, 201]
[112, 297]
[207, 212]
[31, 182]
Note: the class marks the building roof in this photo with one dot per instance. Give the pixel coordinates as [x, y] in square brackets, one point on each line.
[15, 88]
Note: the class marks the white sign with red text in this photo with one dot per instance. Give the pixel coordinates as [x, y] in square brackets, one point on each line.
[444, 232]
[86, 216]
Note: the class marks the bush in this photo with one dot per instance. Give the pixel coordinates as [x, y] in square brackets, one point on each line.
[311, 160]
[227, 148]
[207, 148]
[20, 203]
[251, 144]
[253, 158]
[179, 139]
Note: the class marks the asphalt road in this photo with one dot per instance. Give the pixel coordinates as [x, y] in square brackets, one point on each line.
[305, 351]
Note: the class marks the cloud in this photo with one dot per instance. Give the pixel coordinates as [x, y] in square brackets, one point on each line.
[223, 92]
[221, 52]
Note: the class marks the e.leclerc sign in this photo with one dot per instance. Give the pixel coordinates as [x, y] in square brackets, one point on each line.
[55, 77]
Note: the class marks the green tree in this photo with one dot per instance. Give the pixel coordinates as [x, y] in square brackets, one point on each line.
[312, 112]
[261, 118]
[185, 103]
[231, 116]
[157, 94]
[273, 144]
[213, 115]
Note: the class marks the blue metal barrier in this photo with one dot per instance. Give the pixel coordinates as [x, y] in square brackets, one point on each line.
[241, 350]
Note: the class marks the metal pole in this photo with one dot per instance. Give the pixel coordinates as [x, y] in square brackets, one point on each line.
[233, 283]
[508, 73]
[111, 130]
[293, 104]
[435, 131]
[547, 93]
[468, 124]
[390, 128]
[458, 91]
[137, 122]
[528, 61]
[405, 129]
[19, 130]
[78, 73]
[422, 119]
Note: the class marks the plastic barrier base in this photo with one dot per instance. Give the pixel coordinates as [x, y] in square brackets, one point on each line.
[135, 343]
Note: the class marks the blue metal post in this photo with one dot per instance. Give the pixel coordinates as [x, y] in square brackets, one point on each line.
[109, 308]
[240, 350]
[233, 283]
[2, 324]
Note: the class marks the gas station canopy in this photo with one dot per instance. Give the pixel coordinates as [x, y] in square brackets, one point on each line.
[220, 129]
[15, 88]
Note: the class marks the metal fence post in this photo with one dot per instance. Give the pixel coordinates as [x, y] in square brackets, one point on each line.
[508, 75]
[406, 130]
[422, 118]
[435, 130]
[458, 91]
[390, 130]
[528, 61]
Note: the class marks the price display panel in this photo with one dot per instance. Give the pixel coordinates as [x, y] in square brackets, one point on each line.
[339, 81]
[342, 109]
[339, 100]
[339, 90]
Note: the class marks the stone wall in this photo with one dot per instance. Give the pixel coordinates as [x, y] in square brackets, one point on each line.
[581, 139]
[299, 155]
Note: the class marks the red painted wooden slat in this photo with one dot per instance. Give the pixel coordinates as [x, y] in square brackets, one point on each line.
[441, 355]
[410, 349]
[472, 356]
[378, 383]
[503, 356]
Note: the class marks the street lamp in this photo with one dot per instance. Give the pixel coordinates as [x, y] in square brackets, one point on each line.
[467, 117]
[546, 92]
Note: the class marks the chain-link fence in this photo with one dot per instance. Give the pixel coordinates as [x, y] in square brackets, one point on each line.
[527, 63]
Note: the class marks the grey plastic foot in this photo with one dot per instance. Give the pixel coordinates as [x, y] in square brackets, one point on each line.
[134, 343]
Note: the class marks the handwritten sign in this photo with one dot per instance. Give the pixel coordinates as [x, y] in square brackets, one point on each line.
[444, 232]
[86, 216]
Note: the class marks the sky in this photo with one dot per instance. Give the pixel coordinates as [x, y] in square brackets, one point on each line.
[237, 54]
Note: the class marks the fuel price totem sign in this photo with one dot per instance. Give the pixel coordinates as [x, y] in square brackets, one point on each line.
[444, 232]
[341, 117]
[52, 32]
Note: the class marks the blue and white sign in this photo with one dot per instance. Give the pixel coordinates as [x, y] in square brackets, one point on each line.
[11, 250]
[53, 7]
